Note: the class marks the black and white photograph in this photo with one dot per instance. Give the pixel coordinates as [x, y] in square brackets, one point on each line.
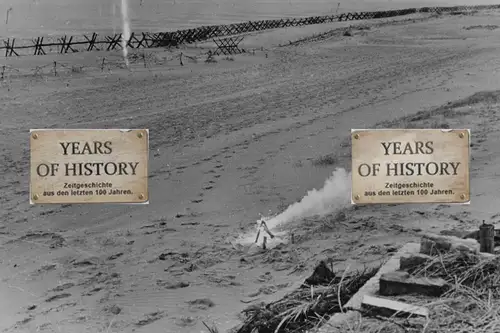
[249, 166]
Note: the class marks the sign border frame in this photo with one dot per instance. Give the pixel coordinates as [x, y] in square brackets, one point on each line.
[90, 129]
[354, 130]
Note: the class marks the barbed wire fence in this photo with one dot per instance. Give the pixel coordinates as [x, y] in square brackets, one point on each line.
[150, 61]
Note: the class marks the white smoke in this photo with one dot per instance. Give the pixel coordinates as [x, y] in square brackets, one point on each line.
[334, 195]
[126, 31]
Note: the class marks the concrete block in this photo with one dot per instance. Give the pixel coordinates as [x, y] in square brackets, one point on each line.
[436, 244]
[389, 308]
[412, 261]
[402, 283]
[372, 286]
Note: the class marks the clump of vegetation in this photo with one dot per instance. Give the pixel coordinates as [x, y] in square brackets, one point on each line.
[471, 305]
[77, 69]
[486, 27]
[325, 160]
[210, 58]
[464, 12]
[465, 271]
[348, 32]
[309, 306]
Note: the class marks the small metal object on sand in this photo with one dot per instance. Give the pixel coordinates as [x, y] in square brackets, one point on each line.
[258, 234]
[266, 229]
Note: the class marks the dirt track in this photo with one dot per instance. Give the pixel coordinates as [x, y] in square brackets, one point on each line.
[229, 141]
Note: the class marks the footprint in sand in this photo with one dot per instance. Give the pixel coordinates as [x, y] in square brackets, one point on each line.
[217, 176]
[197, 201]
[93, 291]
[201, 304]
[63, 287]
[150, 318]
[265, 290]
[57, 297]
[115, 256]
[180, 169]
[186, 321]
[172, 285]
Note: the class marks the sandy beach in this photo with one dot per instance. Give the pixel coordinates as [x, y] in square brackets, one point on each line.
[36, 18]
[231, 141]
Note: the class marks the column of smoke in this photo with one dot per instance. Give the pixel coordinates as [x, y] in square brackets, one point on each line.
[126, 31]
[113, 13]
[334, 195]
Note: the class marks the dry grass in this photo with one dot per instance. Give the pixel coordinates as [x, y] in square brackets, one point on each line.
[486, 27]
[465, 270]
[464, 12]
[472, 305]
[325, 160]
[437, 118]
[305, 308]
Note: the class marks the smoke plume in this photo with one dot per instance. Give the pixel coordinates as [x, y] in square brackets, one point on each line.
[334, 195]
[126, 31]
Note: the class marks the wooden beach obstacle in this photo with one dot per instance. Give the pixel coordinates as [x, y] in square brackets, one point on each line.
[228, 46]
[204, 33]
[9, 46]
